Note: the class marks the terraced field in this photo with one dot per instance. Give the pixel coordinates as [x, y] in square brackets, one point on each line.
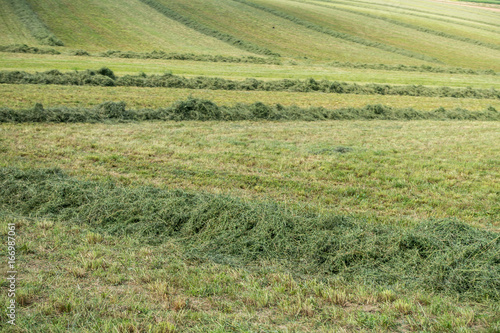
[250, 165]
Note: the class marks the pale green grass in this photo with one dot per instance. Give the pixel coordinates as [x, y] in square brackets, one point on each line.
[444, 9]
[25, 96]
[449, 51]
[396, 170]
[124, 25]
[74, 279]
[432, 16]
[287, 38]
[465, 29]
[33, 63]
[12, 30]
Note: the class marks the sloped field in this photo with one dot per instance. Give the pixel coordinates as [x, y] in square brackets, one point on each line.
[123, 25]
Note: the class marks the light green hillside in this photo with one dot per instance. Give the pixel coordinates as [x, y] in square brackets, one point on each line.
[450, 10]
[278, 34]
[390, 32]
[449, 51]
[12, 30]
[98, 25]
[438, 24]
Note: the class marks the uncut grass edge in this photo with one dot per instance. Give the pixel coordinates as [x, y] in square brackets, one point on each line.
[444, 256]
[206, 110]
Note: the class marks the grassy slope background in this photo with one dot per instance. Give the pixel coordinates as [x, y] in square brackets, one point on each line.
[398, 187]
[286, 27]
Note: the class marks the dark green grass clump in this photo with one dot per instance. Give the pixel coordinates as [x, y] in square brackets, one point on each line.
[23, 48]
[438, 255]
[227, 38]
[34, 24]
[205, 110]
[106, 77]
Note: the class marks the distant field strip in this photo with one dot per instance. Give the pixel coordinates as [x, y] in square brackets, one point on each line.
[434, 16]
[337, 34]
[105, 77]
[247, 46]
[422, 11]
[422, 68]
[31, 20]
[410, 26]
[22, 48]
[483, 1]
[205, 110]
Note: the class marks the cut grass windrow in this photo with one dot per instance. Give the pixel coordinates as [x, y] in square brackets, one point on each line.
[337, 34]
[205, 110]
[244, 45]
[31, 20]
[409, 68]
[444, 256]
[105, 77]
[23, 48]
[411, 26]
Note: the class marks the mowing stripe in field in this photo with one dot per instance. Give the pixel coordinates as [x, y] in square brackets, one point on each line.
[34, 24]
[413, 10]
[337, 34]
[244, 45]
[406, 25]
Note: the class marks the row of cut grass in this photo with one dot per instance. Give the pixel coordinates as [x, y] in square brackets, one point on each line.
[106, 78]
[126, 285]
[442, 256]
[23, 96]
[23, 48]
[199, 109]
[328, 71]
[377, 170]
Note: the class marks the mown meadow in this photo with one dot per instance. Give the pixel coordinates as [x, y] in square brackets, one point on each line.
[265, 166]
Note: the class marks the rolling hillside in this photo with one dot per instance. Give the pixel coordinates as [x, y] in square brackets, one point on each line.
[392, 32]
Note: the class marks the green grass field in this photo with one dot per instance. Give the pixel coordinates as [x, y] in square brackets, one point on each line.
[33, 63]
[25, 96]
[297, 224]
